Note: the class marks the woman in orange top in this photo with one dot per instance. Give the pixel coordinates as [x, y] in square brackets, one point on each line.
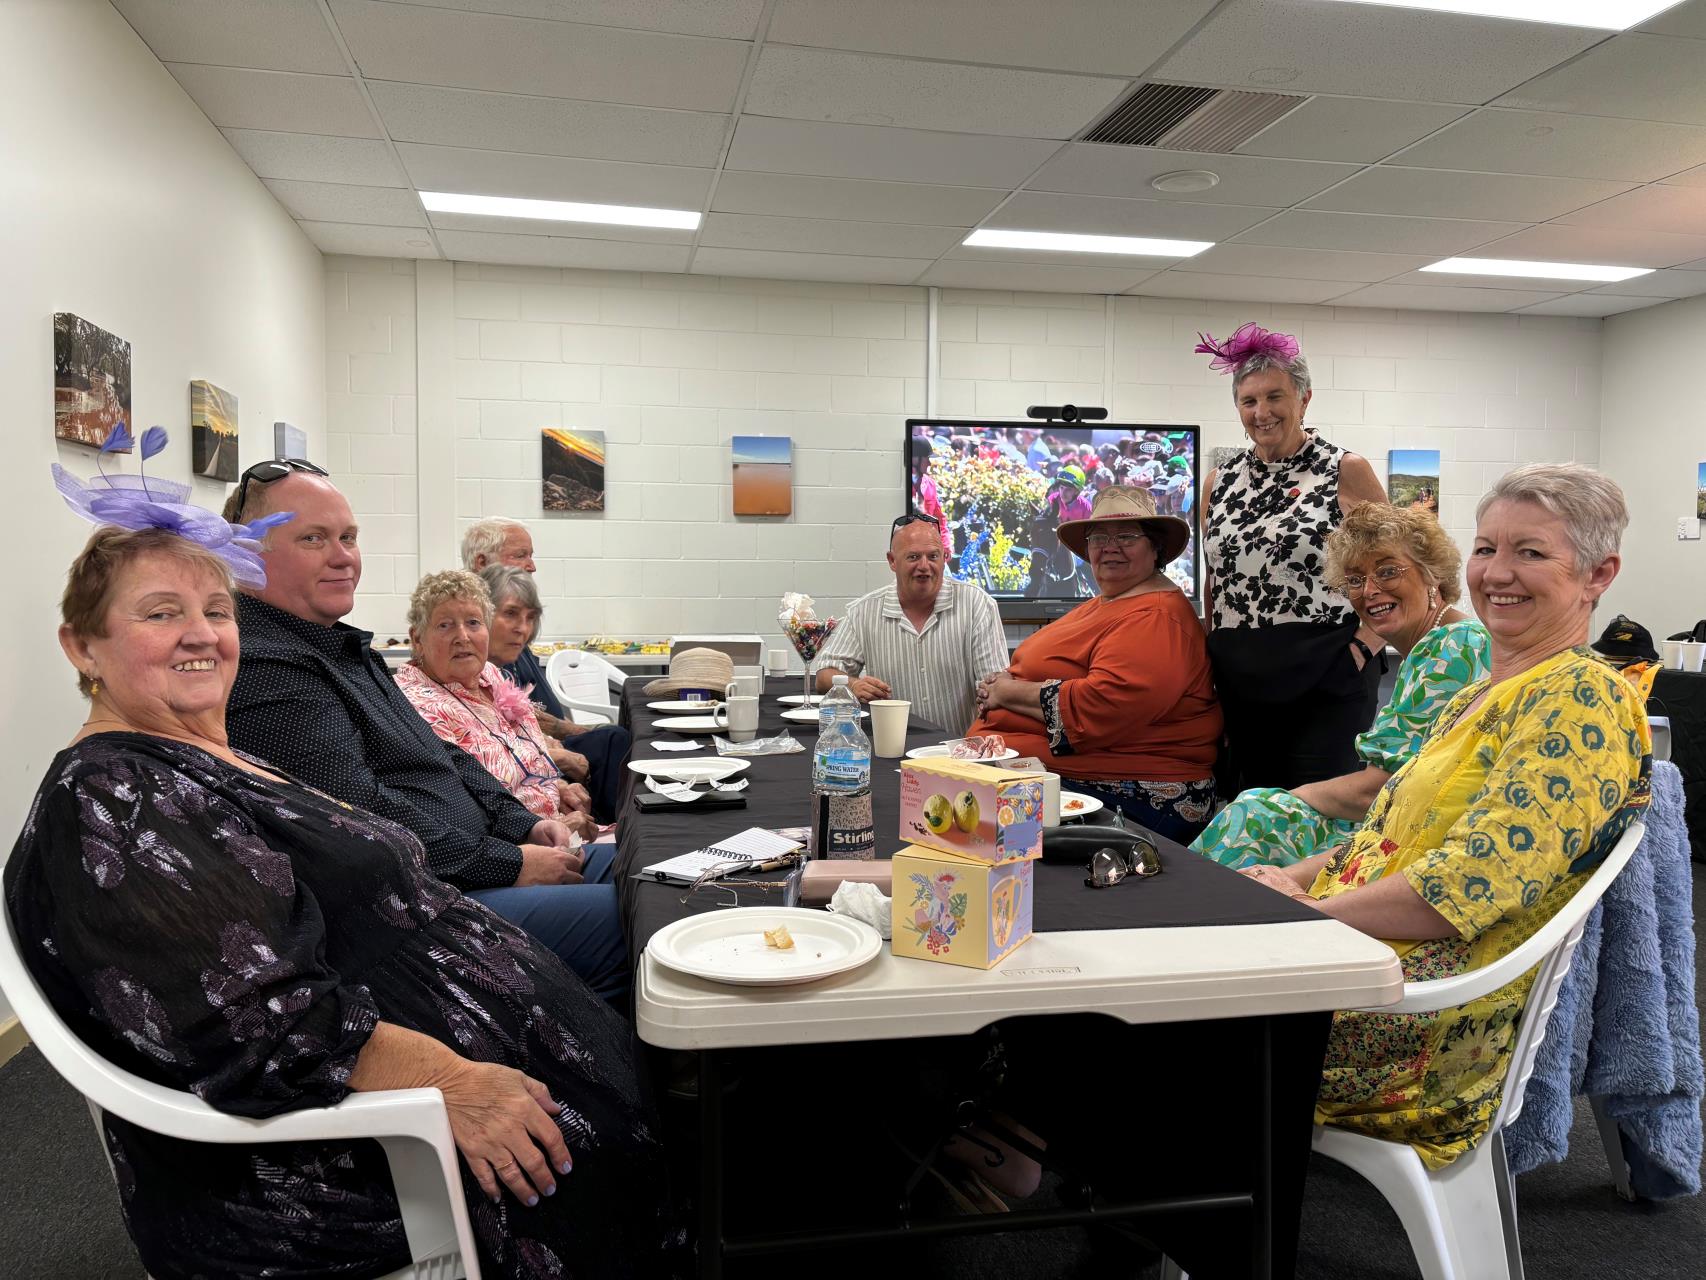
[1117, 697]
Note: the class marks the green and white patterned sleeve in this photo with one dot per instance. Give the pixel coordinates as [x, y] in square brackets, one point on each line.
[1445, 660]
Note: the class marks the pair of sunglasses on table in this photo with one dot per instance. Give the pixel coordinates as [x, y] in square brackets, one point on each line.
[1108, 865]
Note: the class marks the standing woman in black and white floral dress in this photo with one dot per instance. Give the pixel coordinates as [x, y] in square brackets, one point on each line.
[1297, 679]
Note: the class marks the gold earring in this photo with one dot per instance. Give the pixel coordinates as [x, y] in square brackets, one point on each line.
[94, 686]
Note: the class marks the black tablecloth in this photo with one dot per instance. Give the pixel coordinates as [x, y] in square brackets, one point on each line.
[1681, 695]
[1190, 891]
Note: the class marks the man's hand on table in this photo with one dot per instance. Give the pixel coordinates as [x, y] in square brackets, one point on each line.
[867, 687]
[545, 864]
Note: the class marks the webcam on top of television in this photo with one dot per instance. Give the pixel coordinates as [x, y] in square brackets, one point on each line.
[1067, 412]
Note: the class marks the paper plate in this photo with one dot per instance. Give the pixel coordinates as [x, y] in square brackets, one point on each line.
[808, 714]
[729, 946]
[941, 749]
[692, 769]
[688, 724]
[800, 699]
[1073, 805]
[680, 706]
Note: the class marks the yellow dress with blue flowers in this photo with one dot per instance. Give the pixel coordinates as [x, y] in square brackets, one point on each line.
[1496, 822]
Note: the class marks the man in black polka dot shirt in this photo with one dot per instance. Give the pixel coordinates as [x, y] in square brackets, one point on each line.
[312, 698]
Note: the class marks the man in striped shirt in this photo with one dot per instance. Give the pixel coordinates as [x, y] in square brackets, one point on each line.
[926, 639]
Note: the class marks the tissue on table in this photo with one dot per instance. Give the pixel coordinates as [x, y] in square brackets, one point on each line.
[863, 902]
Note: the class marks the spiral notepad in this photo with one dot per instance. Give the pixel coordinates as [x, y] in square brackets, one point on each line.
[755, 844]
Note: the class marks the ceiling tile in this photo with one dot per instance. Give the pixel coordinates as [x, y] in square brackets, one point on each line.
[1369, 51]
[547, 59]
[238, 98]
[339, 202]
[1587, 304]
[1093, 169]
[276, 35]
[566, 230]
[1635, 76]
[1302, 264]
[369, 242]
[1557, 242]
[1677, 210]
[834, 267]
[857, 88]
[509, 173]
[1430, 193]
[559, 251]
[1112, 37]
[1374, 233]
[1034, 277]
[1426, 298]
[1688, 178]
[887, 155]
[1355, 129]
[1183, 284]
[815, 235]
[1661, 284]
[1686, 19]
[732, 19]
[790, 195]
[1056, 258]
[313, 157]
[1547, 143]
[548, 126]
[1112, 216]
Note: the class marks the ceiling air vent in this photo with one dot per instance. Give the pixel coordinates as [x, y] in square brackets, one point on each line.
[1188, 117]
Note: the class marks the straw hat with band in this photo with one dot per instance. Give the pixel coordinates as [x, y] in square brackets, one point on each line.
[1127, 502]
[708, 670]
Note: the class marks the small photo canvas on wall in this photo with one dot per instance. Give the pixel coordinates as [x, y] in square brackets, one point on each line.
[1700, 491]
[289, 441]
[571, 470]
[1412, 479]
[763, 475]
[213, 431]
[91, 381]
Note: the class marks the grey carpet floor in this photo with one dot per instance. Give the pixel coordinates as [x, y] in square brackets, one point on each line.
[59, 1216]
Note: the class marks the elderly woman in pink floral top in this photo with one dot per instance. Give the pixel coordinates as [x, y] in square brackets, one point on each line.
[472, 705]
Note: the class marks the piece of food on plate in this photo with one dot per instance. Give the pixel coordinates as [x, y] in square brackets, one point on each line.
[779, 937]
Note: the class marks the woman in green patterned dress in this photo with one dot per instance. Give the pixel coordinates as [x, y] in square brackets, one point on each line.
[1400, 571]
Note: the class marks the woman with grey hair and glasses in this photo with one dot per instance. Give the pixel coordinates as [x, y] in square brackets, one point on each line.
[593, 755]
[1293, 664]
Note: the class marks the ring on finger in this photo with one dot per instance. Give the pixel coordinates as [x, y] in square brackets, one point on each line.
[501, 1169]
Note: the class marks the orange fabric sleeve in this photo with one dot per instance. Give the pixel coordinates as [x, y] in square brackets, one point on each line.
[1138, 671]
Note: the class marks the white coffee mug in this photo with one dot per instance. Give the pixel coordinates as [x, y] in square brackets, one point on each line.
[739, 715]
[777, 661]
[1051, 799]
[745, 686]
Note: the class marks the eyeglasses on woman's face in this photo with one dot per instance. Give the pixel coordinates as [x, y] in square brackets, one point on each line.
[1383, 577]
[1124, 541]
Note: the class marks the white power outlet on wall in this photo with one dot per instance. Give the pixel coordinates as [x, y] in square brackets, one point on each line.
[1687, 529]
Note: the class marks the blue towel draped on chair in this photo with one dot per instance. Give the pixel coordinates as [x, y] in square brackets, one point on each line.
[1626, 1028]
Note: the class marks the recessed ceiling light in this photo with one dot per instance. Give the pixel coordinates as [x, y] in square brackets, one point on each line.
[418, 244]
[1607, 15]
[622, 215]
[1536, 270]
[1185, 180]
[1062, 242]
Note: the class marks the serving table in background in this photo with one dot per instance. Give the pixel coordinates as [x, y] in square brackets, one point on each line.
[1198, 969]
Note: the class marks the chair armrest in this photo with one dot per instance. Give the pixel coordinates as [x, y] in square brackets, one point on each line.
[601, 713]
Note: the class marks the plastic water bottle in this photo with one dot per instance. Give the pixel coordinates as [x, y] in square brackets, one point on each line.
[841, 787]
[840, 695]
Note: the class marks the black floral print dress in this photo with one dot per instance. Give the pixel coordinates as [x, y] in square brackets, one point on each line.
[1279, 637]
[238, 938]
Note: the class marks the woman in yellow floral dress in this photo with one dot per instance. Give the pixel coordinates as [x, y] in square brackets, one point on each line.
[1523, 787]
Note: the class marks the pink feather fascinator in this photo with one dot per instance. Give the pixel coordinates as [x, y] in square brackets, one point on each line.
[1246, 341]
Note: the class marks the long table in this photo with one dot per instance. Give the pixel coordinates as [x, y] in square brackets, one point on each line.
[1198, 963]
[1681, 695]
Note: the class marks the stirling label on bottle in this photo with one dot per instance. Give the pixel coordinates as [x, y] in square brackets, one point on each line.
[842, 827]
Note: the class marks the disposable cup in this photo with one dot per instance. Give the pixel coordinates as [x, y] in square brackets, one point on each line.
[888, 726]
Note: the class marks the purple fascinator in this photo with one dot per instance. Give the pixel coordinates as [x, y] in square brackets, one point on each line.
[138, 502]
[1246, 341]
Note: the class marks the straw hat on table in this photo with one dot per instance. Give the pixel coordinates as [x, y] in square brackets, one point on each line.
[695, 669]
[1126, 502]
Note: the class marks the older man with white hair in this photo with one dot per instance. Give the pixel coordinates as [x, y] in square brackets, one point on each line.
[497, 540]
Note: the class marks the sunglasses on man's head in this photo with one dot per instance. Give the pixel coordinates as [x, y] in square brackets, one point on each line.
[900, 522]
[274, 469]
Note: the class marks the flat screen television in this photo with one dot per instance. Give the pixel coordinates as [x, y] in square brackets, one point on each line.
[1001, 488]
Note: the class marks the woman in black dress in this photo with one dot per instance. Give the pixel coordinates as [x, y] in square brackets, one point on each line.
[204, 922]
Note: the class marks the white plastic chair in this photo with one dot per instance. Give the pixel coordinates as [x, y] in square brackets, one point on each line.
[410, 1124]
[583, 682]
[1461, 1219]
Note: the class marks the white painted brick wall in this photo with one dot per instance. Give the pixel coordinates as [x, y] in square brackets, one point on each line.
[671, 367]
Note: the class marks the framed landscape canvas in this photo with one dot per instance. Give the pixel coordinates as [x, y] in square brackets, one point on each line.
[1700, 491]
[1412, 479]
[571, 470]
[763, 475]
[289, 441]
[213, 431]
[91, 380]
